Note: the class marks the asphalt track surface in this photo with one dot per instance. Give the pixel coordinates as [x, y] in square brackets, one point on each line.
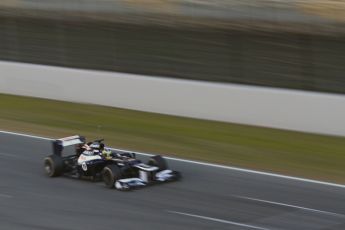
[207, 198]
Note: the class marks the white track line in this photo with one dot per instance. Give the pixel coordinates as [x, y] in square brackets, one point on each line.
[208, 164]
[5, 196]
[26, 135]
[218, 220]
[6, 155]
[9, 155]
[291, 206]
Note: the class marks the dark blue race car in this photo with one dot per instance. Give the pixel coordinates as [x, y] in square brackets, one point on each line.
[118, 169]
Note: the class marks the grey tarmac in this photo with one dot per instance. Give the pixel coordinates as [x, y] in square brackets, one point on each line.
[206, 198]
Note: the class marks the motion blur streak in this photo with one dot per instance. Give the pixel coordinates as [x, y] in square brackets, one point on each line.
[270, 43]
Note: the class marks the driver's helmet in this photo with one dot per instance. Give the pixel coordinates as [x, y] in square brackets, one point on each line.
[106, 152]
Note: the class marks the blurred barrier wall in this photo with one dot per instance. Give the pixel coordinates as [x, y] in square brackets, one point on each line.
[285, 54]
[278, 108]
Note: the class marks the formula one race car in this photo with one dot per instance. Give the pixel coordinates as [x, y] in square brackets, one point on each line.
[117, 168]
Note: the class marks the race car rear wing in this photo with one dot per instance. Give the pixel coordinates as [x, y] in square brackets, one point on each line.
[59, 144]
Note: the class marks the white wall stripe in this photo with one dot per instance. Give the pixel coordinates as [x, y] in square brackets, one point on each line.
[251, 105]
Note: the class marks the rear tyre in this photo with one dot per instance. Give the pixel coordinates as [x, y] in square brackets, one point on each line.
[159, 162]
[110, 175]
[53, 165]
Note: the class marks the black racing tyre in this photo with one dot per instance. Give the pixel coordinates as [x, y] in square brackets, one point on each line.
[53, 165]
[159, 162]
[110, 174]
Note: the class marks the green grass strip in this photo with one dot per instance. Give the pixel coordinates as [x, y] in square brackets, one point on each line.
[292, 153]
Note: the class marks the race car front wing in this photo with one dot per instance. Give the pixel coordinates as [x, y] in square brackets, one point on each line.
[159, 177]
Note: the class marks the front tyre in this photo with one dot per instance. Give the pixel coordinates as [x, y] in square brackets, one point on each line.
[110, 175]
[53, 165]
[159, 162]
